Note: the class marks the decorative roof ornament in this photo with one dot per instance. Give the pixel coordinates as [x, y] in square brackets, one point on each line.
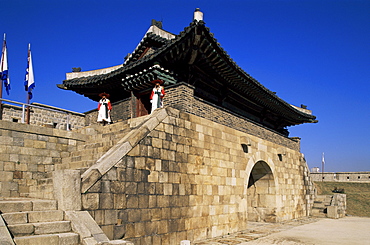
[198, 15]
[157, 23]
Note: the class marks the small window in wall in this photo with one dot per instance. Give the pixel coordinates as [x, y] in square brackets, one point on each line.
[245, 148]
[14, 120]
[347, 177]
[280, 156]
[323, 177]
[359, 177]
[55, 125]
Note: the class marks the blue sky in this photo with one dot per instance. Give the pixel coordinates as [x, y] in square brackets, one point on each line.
[315, 53]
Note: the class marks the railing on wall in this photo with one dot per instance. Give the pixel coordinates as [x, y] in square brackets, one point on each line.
[25, 105]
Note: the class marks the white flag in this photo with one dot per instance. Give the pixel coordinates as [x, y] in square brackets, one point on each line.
[323, 159]
[4, 75]
[29, 83]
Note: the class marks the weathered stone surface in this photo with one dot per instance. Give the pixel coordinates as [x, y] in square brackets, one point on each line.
[332, 212]
[22, 229]
[187, 178]
[42, 205]
[67, 189]
[5, 237]
[89, 179]
[15, 206]
[68, 239]
[52, 227]
[41, 239]
[90, 201]
[15, 218]
[45, 216]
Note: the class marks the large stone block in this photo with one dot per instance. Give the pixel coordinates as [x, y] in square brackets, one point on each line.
[41, 239]
[15, 218]
[21, 229]
[332, 212]
[67, 189]
[89, 178]
[15, 206]
[68, 238]
[90, 201]
[52, 227]
[45, 216]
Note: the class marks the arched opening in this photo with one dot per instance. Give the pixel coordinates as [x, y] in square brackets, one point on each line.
[261, 194]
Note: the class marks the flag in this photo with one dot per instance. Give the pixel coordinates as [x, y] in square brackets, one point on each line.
[323, 159]
[4, 76]
[29, 83]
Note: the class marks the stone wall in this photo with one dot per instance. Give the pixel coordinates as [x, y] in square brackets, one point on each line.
[191, 178]
[43, 115]
[28, 156]
[338, 206]
[181, 96]
[342, 177]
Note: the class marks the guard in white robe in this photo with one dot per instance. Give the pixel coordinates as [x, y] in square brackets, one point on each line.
[156, 97]
[104, 108]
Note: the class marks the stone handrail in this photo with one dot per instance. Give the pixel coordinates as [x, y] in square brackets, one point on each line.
[121, 149]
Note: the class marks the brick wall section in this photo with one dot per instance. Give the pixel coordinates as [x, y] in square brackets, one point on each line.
[182, 97]
[28, 155]
[42, 117]
[187, 180]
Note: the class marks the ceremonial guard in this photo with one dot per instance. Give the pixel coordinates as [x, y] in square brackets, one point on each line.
[104, 108]
[156, 97]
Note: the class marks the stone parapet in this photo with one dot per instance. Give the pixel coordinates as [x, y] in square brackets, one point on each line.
[342, 177]
[181, 96]
[43, 115]
[28, 156]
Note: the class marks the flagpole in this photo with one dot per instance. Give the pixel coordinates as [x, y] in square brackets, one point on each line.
[322, 166]
[1, 68]
[1, 74]
[28, 94]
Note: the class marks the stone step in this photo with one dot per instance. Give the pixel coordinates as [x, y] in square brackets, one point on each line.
[49, 239]
[21, 205]
[40, 228]
[33, 216]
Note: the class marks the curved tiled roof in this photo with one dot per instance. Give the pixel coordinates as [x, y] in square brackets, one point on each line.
[195, 45]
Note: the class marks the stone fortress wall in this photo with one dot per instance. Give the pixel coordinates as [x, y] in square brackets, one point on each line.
[187, 172]
[28, 156]
[44, 115]
[341, 177]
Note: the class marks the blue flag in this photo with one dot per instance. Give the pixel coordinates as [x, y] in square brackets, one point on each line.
[4, 76]
[29, 83]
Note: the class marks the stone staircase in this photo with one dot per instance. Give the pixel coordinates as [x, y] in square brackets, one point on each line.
[320, 205]
[37, 222]
[101, 139]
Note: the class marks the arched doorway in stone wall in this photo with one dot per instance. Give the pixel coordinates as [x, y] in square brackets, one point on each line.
[261, 194]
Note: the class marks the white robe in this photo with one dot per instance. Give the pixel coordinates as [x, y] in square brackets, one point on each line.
[104, 112]
[156, 98]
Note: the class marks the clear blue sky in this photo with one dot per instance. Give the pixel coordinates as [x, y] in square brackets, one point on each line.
[315, 53]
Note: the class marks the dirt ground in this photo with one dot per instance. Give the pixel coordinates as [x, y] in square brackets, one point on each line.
[308, 231]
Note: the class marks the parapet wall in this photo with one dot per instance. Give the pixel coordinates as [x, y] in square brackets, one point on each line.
[342, 177]
[28, 156]
[43, 115]
[182, 97]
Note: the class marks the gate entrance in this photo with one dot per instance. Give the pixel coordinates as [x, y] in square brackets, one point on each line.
[261, 194]
[143, 105]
